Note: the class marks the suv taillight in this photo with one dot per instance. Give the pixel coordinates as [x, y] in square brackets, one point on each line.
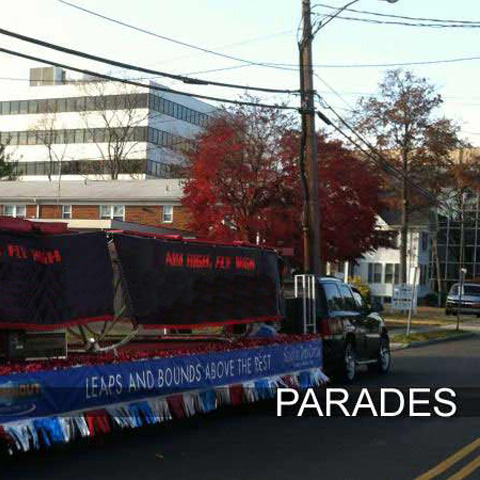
[324, 328]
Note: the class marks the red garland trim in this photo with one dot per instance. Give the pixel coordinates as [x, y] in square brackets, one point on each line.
[124, 356]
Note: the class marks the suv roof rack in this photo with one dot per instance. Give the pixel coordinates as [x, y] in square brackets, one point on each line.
[330, 279]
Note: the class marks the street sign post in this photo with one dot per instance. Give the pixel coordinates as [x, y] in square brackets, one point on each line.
[414, 299]
[404, 296]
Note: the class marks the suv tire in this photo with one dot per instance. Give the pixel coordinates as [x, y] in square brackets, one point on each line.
[384, 357]
[349, 365]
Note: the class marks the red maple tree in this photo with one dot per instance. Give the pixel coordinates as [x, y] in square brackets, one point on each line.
[243, 182]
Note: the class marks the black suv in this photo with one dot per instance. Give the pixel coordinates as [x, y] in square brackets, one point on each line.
[353, 334]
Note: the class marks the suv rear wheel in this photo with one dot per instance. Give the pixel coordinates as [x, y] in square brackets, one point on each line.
[384, 356]
[349, 363]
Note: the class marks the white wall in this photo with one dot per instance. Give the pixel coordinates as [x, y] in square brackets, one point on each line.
[416, 257]
[80, 120]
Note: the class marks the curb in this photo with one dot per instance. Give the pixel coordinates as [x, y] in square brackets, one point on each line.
[423, 343]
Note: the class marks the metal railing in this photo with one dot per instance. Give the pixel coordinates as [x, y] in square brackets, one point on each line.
[305, 289]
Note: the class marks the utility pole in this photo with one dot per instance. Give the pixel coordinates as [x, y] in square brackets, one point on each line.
[313, 261]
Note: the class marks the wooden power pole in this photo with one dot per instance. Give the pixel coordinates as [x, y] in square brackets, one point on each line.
[313, 256]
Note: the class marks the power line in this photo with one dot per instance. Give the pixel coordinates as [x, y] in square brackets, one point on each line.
[164, 37]
[380, 159]
[138, 84]
[281, 66]
[404, 24]
[127, 66]
[384, 163]
[228, 46]
[357, 65]
[402, 64]
[353, 65]
[222, 69]
[350, 107]
[417, 19]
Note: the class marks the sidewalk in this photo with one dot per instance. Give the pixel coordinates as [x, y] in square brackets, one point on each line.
[466, 324]
[468, 327]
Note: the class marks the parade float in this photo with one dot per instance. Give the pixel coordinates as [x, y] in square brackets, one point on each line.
[115, 330]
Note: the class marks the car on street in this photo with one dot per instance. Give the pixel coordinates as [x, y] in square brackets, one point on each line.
[353, 333]
[466, 300]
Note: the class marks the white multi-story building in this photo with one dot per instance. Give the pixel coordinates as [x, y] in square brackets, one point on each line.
[95, 129]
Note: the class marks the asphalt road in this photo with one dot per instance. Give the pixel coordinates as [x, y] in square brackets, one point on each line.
[252, 443]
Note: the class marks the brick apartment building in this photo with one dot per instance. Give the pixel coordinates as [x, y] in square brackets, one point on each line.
[98, 204]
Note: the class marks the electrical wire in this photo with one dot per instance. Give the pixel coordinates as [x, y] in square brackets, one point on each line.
[378, 14]
[138, 84]
[402, 64]
[329, 66]
[227, 46]
[164, 37]
[398, 23]
[283, 66]
[128, 66]
[333, 16]
[359, 65]
[381, 161]
[379, 158]
[350, 107]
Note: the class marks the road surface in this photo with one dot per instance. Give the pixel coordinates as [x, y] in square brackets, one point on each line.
[252, 443]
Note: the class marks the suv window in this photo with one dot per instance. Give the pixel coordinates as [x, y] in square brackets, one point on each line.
[348, 299]
[360, 302]
[471, 289]
[333, 296]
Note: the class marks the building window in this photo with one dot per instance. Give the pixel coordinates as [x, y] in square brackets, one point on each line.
[392, 273]
[24, 106]
[22, 138]
[66, 212]
[167, 216]
[423, 275]
[32, 106]
[424, 241]
[118, 212]
[375, 273]
[17, 211]
[112, 212]
[5, 108]
[105, 212]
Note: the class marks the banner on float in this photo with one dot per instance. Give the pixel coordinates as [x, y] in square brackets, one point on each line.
[47, 393]
[176, 283]
[48, 281]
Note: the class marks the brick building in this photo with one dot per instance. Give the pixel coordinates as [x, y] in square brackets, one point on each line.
[98, 204]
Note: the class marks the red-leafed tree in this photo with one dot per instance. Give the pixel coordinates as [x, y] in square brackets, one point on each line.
[243, 182]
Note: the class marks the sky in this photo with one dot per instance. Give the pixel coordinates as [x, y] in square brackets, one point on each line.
[258, 31]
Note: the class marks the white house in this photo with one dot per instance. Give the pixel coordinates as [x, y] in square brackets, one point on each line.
[381, 268]
[55, 126]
